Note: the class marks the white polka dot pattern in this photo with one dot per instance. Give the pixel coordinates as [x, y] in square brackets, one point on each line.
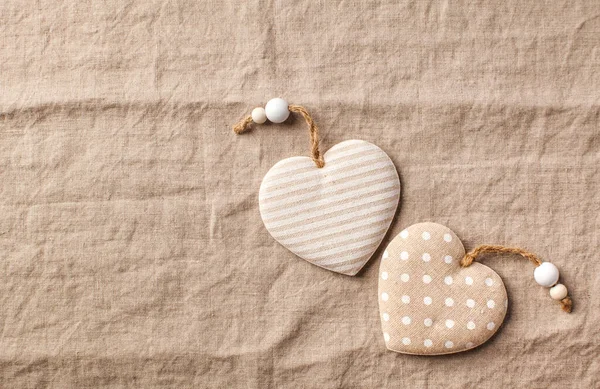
[438, 307]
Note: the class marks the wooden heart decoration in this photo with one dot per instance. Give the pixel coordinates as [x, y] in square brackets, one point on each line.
[336, 216]
[429, 304]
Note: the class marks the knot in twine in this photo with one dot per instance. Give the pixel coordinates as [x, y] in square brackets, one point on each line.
[467, 260]
[244, 125]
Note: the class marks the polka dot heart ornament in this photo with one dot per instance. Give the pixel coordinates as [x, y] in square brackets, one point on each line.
[434, 299]
[331, 209]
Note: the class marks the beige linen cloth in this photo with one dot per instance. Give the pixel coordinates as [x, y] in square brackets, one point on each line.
[133, 253]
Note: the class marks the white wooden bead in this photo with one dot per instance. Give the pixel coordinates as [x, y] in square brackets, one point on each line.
[546, 274]
[277, 110]
[259, 115]
[558, 292]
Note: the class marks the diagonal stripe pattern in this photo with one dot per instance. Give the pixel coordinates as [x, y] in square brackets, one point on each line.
[334, 217]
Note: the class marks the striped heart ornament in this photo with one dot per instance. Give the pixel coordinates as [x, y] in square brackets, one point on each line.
[335, 216]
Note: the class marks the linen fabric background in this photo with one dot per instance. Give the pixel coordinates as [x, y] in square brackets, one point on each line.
[133, 252]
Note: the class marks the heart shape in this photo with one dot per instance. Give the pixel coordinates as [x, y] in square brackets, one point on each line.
[334, 217]
[429, 304]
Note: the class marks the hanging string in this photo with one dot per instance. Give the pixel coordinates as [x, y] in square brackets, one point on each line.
[244, 125]
[566, 303]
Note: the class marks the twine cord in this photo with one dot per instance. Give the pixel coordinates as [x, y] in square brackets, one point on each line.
[244, 125]
[314, 134]
[467, 260]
